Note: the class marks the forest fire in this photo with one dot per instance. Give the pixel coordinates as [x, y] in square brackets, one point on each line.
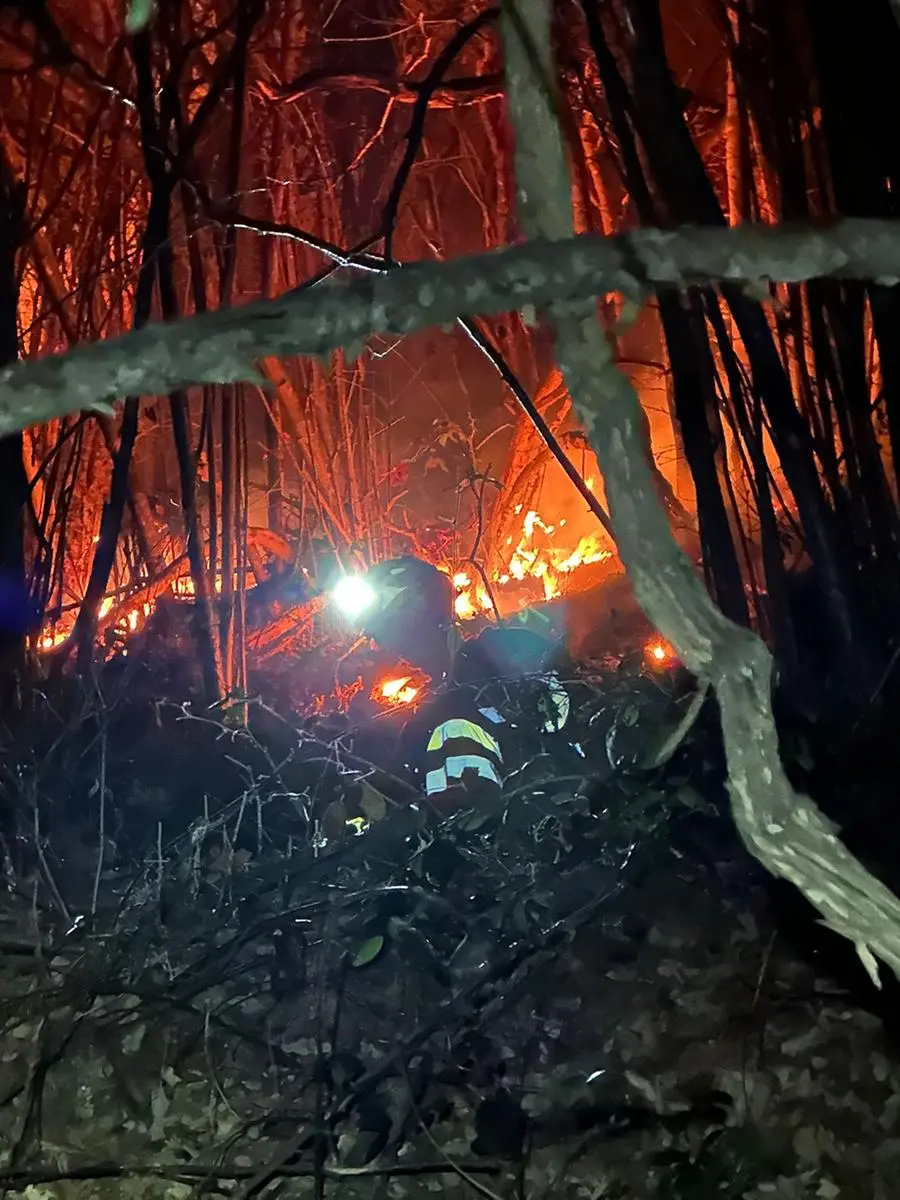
[543, 555]
[537, 568]
[182, 187]
[129, 622]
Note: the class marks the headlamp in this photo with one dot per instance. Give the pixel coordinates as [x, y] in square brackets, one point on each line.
[353, 595]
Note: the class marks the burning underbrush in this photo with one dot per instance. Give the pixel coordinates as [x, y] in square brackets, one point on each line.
[542, 566]
[569, 587]
[253, 952]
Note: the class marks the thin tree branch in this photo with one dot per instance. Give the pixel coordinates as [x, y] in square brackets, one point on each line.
[416, 130]
[22, 1178]
[450, 93]
[221, 347]
[781, 827]
[470, 326]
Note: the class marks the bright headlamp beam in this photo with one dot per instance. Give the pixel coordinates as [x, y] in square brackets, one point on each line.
[353, 595]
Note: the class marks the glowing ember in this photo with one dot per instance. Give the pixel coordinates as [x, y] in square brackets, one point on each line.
[124, 624]
[400, 689]
[660, 653]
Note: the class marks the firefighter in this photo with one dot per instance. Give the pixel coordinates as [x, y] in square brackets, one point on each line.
[503, 695]
[485, 689]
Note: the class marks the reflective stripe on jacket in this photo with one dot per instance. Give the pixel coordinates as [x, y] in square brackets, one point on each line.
[458, 745]
[465, 732]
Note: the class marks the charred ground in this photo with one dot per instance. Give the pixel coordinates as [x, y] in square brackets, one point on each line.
[592, 985]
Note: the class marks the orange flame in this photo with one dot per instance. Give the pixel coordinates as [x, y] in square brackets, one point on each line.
[541, 553]
[659, 653]
[129, 622]
[544, 554]
[400, 689]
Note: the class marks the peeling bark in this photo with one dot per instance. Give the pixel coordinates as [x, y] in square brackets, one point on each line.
[782, 828]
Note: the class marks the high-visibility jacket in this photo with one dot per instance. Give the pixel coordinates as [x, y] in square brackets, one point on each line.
[464, 743]
[462, 731]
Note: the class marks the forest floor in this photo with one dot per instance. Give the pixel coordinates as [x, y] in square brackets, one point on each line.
[584, 995]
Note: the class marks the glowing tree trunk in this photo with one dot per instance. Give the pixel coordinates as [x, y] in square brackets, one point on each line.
[154, 254]
[682, 183]
[14, 487]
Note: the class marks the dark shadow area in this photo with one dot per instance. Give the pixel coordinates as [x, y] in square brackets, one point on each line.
[287, 958]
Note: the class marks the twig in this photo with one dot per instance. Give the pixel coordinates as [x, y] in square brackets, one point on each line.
[101, 826]
[682, 729]
[49, 879]
[474, 996]
[473, 479]
[480, 339]
[21, 1180]
[416, 129]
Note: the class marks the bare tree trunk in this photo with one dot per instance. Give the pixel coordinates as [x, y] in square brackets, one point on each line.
[273, 449]
[857, 93]
[691, 360]
[13, 479]
[232, 417]
[113, 512]
[155, 266]
[693, 397]
[679, 173]
[781, 827]
[204, 621]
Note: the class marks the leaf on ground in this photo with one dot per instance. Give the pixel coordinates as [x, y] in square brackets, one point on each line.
[806, 1145]
[334, 821]
[368, 951]
[372, 802]
[644, 1087]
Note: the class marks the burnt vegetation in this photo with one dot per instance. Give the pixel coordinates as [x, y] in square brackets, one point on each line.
[286, 292]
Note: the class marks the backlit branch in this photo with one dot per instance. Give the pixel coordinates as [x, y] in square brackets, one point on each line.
[222, 347]
[781, 827]
[449, 94]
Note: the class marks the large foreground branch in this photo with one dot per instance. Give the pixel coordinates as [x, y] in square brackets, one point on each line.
[783, 829]
[222, 347]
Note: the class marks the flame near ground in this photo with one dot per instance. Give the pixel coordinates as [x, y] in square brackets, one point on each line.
[397, 690]
[541, 566]
[541, 555]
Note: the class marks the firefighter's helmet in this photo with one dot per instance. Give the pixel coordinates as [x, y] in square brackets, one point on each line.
[411, 590]
[406, 606]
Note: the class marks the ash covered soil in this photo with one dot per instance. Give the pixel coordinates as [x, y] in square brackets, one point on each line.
[283, 978]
